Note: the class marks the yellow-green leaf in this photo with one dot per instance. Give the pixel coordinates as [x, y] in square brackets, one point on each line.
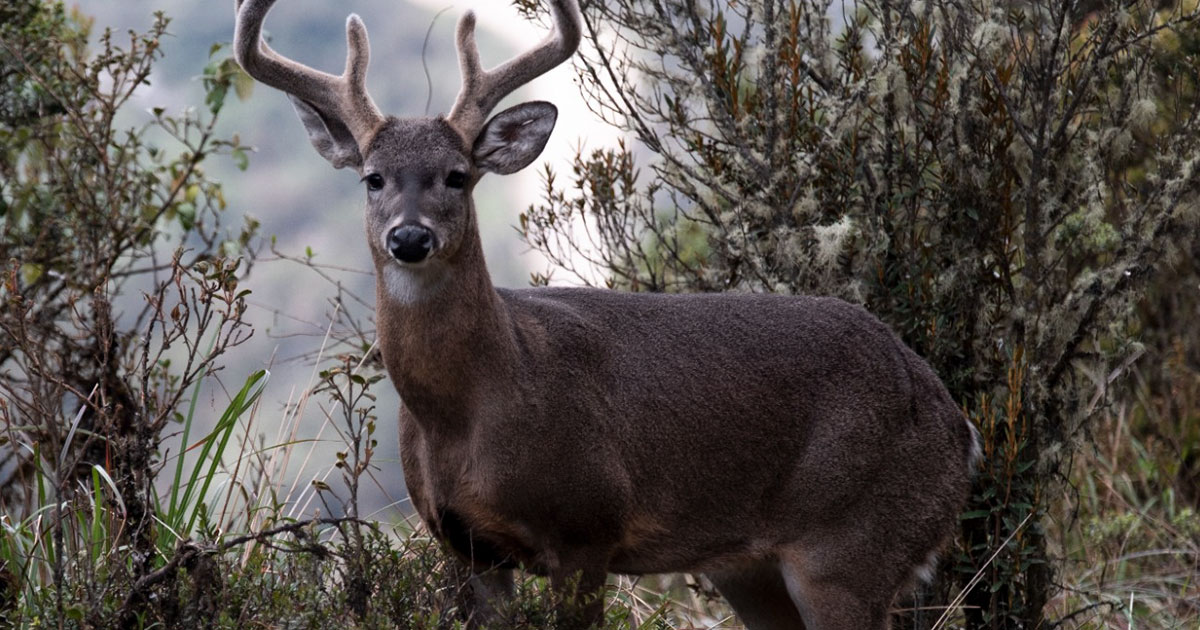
[243, 84]
[30, 272]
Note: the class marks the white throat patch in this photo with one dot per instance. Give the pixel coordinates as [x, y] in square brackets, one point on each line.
[412, 285]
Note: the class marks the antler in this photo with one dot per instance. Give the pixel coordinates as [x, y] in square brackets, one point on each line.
[481, 90]
[342, 97]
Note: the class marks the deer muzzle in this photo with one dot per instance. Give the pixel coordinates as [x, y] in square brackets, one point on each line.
[411, 243]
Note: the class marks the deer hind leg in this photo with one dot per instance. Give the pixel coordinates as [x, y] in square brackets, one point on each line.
[759, 595]
[839, 593]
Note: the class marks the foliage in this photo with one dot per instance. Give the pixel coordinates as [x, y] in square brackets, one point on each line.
[1130, 531]
[120, 291]
[94, 215]
[997, 180]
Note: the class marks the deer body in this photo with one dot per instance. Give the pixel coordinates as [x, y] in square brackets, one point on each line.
[661, 447]
[790, 448]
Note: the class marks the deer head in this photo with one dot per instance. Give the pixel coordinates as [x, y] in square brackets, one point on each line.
[419, 172]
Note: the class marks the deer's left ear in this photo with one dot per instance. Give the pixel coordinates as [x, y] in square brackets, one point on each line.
[514, 137]
[329, 136]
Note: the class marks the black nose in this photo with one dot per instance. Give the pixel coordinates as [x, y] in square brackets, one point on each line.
[410, 243]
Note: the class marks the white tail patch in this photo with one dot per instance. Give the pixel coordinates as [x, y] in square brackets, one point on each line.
[925, 572]
[976, 447]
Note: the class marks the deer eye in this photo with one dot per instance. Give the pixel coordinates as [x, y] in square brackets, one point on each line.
[374, 181]
[456, 179]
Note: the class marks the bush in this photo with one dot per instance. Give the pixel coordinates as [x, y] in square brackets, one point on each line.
[94, 215]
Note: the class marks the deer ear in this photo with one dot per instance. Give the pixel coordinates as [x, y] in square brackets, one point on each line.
[328, 135]
[514, 137]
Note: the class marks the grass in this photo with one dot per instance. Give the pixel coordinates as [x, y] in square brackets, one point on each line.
[1130, 533]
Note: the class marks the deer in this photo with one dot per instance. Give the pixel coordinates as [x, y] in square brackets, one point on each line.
[790, 449]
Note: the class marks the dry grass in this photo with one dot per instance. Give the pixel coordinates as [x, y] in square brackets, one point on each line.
[1128, 522]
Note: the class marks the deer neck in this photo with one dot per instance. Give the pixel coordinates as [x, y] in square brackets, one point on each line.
[442, 331]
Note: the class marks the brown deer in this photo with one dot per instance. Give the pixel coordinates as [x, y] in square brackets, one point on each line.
[791, 449]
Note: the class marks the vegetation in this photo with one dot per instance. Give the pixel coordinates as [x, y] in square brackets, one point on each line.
[1010, 185]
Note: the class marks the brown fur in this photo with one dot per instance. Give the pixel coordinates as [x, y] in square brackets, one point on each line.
[790, 447]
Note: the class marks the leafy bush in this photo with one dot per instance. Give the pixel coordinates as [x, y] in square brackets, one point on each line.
[94, 215]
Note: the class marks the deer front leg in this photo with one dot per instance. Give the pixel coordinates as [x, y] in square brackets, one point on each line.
[580, 595]
[490, 590]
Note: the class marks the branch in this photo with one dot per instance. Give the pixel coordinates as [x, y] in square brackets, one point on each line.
[188, 551]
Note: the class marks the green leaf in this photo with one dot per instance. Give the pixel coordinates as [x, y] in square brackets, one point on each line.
[216, 97]
[186, 213]
[31, 272]
[217, 440]
[240, 158]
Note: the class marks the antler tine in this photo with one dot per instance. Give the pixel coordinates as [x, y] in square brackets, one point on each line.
[344, 97]
[481, 90]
